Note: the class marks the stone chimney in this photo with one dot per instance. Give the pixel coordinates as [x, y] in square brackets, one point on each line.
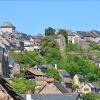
[56, 66]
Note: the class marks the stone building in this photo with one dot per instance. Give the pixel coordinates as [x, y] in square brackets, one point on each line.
[7, 27]
[4, 64]
[91, 87]
[60, 40]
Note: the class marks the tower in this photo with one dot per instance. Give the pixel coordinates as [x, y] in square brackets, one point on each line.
[5, 64]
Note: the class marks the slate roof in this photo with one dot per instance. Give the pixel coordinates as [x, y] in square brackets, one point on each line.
[98, 61]
[60, 87]
[11, 61]
[92, 33]
[80, 76]
[71, 34]
[41, 66]
[36, 72]
[1, 54]
[7, 25]
[94, 85]
[64, 73]
[69, 96]
[53, 36]
[79, 33]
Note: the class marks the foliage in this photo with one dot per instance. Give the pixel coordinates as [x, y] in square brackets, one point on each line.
[81, 65]
[73, 47]
[22, 85]
[28, 58]
[50, 51]
[89, 96]
[74, 86]
[53, 72]
[49, 31]
[63, 32]
[95, 46]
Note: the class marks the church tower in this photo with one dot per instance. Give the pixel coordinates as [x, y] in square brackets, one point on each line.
[5, 64]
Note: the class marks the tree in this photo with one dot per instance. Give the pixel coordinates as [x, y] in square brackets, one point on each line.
[49, 31]
[89, 96]
[50, 51]
[63, 32]
[78, 64]
[53, 72]
[74, 86]
[73, 47]
[22, 85]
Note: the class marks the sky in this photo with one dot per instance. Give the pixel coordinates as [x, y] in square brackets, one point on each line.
[33, 16]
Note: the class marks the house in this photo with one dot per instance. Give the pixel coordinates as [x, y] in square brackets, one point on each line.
[43, 68]
[60, 40]
[89, 36]
[98, 62]
[28, 45]
[37, 39]
[91, 87]
[4, 64]
[73, 38]
[7, 27]
[36, 47]
[79, 80]
[66, 79]
[64, 96]
[53, 88]
[37, 75]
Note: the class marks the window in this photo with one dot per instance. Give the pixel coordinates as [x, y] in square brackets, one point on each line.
[86, 89]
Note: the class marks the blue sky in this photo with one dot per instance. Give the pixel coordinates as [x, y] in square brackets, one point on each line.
[33, 16]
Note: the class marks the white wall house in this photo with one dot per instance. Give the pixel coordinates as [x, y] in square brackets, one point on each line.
[74, 38]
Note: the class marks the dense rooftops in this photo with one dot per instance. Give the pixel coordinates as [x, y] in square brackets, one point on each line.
[64, 73]
[94, 85]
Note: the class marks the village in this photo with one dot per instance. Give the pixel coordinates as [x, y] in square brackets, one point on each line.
[46, 84]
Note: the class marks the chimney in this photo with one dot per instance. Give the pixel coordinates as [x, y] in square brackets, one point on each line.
[28, 96]
[56, 66]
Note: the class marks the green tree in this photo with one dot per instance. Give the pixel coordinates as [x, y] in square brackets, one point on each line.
[63, 32]
[22, 85]
[76, 64]
[53, 72]
[28, 58]
[50, 51]
[89, 96]
[49, 31]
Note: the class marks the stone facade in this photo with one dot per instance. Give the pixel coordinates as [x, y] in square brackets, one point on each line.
[85, 89]
[7, 27]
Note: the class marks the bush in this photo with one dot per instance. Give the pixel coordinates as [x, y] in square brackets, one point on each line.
[89, 96]
[53, 72]
[22, 85]
[73, 47]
